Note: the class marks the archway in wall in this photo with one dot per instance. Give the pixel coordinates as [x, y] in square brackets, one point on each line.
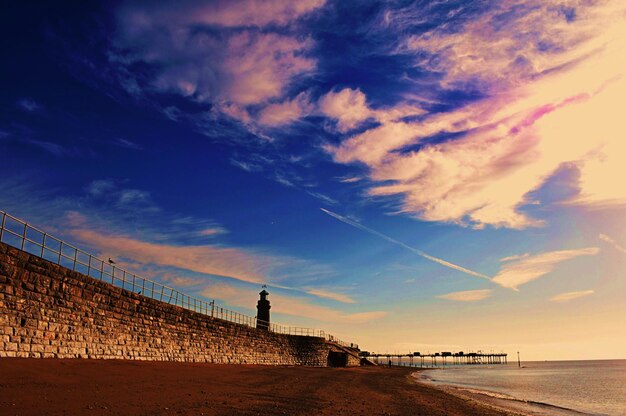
[337, 359]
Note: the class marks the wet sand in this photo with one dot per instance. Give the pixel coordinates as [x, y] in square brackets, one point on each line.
[100, 387]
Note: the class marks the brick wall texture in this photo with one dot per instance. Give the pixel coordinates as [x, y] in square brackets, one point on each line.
[48, 311]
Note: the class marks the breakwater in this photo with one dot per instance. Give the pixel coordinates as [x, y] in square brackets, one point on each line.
[47, 311]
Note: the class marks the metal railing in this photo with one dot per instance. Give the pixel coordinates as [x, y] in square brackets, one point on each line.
[19, 234]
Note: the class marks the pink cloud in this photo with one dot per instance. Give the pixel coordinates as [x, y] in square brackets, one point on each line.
[288, 305]
[233, 70]
[347, 106]
[258, 66]
[277, 114]
[515, 140]
[229, 262]
[498, 50]
[467, 295]
[350, 109]
[231, 13]
[209, 232]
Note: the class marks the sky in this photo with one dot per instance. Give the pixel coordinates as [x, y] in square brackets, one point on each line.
[406, 175]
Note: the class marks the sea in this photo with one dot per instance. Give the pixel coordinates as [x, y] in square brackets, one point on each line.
[595, 387]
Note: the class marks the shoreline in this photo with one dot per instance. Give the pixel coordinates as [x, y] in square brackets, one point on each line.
[104, 387]
[496, 400]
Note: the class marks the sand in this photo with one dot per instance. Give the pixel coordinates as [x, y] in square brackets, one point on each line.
[111, 387]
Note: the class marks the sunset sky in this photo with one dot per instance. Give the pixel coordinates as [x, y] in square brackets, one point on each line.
[410, 176]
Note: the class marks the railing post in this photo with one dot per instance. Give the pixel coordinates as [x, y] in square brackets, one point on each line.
[75, 257]
[60, 251]
[4, 218]
[123, 279]
[212, 308]
[89, 266]
[24, 236]
[43, 244]
[101, 269]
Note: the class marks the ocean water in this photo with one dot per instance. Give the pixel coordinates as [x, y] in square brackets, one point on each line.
[589, 387]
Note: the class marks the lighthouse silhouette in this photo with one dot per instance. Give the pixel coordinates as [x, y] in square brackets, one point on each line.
[263, 311]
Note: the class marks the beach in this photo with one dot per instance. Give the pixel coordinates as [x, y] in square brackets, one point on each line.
[112, 387]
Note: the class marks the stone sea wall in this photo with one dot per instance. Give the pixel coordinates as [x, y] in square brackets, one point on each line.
[48, 311]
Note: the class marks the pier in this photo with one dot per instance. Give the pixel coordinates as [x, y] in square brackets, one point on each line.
[417, 359]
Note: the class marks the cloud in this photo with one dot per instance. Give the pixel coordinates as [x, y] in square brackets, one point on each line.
[350, 109]
[347, 106]
[127, 144]
[477, 164]
[514, 257]
[324, 198]
[123, 198]
[517, 272]
[612, 242]
[323, 293]
[496, 50]
[228, 54]
[28, 104]
[566, 297]
[287, 305]
[209, 232]
[350, 179]
[247, 166]
[229, 262]
[234, 13]
[278, 114]
[181, 281]
[468, 295]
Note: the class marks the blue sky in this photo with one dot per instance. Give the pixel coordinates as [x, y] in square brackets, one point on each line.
[409, 175]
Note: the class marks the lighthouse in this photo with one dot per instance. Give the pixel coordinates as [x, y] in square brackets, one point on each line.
[263, 311]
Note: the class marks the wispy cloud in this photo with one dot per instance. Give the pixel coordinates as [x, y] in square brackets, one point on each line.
[124, 198]
[101, 187]
[350, 179]
[209, 232]
[127, 144]
[566, 297]
[518, 271]
[247, 166]
[612, 242]
[28, 104]
[325, 198]
[288, 305]
[327, 294]
[468, 295]
[228, 262]
[181, 281]
[411, 249]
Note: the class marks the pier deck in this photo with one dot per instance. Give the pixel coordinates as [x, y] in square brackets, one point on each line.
[431, 360]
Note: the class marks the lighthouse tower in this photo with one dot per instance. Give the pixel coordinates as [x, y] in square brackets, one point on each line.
[263, 311]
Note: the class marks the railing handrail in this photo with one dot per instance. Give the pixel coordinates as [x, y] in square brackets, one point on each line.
[164, 293]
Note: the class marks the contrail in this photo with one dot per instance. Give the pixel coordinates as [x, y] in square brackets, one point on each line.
[401, 244]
